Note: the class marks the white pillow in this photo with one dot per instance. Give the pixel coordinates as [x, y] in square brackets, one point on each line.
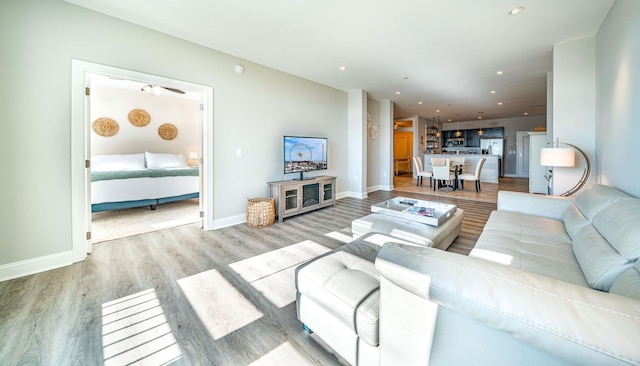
[106, 163]
[160, 161]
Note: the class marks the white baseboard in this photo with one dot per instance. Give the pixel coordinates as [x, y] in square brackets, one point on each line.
[229, 221]
[360, 195]
[35, 265]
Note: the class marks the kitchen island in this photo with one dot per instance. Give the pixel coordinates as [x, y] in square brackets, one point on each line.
[490, 169]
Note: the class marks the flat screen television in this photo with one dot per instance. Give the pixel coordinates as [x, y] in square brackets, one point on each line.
[304, 154]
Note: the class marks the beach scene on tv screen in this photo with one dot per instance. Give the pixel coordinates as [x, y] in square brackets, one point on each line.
[303, 154]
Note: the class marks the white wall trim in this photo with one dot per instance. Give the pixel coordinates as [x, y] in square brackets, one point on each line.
[228, 221]
[360, 195]
[34, 265]
[373, 188]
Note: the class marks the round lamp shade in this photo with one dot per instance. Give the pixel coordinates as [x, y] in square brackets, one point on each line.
[558, 157]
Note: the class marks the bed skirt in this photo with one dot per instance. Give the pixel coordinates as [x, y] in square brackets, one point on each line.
[108, 206]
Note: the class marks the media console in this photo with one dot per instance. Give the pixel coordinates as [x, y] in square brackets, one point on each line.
[293, 197]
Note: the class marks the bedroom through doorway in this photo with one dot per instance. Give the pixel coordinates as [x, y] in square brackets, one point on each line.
[145, 148]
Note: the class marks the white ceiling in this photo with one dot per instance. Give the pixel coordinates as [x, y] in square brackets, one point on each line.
[443, 53]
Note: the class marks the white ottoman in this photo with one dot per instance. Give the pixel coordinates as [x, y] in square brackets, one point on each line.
[410, 232]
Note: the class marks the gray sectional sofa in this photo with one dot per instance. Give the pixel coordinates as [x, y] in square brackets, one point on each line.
[550, 281]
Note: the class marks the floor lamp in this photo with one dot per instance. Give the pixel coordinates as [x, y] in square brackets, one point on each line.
[564, 157]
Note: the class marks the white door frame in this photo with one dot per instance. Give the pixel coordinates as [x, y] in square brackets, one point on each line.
[522, 154]
[80, 148]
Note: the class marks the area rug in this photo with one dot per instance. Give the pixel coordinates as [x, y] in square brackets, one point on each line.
[111, 225]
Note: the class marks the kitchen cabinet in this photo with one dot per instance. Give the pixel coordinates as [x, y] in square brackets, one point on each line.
[493, 133]
[472, 138]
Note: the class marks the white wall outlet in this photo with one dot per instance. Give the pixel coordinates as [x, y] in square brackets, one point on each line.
[239, 152]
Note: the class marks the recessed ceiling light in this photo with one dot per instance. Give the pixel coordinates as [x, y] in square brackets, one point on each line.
[419, 102]
[517, 10]
[499, 103]
[342, 68]
[500, 72]
[526, 113]
[398, 92]
[493, 92]
[479, 117]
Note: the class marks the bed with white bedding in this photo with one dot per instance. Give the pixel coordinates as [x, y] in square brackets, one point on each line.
[144, 179]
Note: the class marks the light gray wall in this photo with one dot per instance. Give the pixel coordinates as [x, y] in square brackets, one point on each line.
[574, 106]
[252, 111]
[618, 97]
[116, 103]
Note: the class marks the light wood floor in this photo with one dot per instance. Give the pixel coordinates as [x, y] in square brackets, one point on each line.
[147, 287]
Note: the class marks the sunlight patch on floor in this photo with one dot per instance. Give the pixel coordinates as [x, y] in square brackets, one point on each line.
[135, 330]
[341, 235]
[284, 354]
[219, 305]
[273, 273]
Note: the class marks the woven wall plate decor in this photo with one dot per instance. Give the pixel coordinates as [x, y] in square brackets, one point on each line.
[105, 127]
[168, 131]
[139, 117]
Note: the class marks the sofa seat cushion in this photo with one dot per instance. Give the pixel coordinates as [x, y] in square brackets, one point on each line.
[530, 243]
[345, 283]
[410, 232]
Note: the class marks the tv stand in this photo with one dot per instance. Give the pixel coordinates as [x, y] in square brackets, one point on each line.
[294, 197]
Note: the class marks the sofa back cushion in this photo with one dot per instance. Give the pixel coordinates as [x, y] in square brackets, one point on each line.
[597, 198]
[603, 224]
[628, 283]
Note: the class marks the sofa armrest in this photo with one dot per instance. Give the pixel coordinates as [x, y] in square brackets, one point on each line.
[533, 204]
[574, 323]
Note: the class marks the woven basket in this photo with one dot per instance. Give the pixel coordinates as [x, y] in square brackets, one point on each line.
[261, 212]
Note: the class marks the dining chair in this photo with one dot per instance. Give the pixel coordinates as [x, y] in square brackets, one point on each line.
[475, 176]
[420, 172]
[457, 164]
[442, 172]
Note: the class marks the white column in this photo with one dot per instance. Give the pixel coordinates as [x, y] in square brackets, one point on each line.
[386, 145]
[357, 144]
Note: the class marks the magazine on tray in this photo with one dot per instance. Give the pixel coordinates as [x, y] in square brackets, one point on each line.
[419, 210]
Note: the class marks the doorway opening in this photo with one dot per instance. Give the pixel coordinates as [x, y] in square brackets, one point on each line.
[82, 128]
[402, 147]
[129, 196]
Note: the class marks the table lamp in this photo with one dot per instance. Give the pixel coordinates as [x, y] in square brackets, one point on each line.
[193, 157]
[564, 157]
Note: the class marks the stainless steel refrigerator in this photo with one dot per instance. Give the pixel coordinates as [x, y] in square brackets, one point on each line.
[494, 147]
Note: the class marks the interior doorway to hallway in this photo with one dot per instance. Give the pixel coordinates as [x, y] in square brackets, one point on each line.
[402, 146]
